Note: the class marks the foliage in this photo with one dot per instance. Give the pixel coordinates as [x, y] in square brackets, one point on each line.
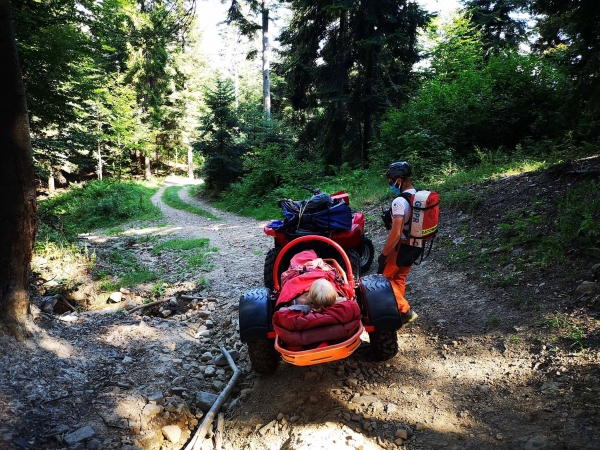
[579, 219]
[470, 104]
[100, 204]
[501, 22]
[171, 198]
[568, 34]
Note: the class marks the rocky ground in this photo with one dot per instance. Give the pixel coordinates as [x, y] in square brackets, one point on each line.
[476, 370]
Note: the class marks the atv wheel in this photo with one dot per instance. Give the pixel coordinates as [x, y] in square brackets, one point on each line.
[269, 264]
[384, 344]
[368, 253]
[263, 356]
[354, 258]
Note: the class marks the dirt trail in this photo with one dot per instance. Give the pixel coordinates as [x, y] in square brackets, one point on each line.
[459, 381]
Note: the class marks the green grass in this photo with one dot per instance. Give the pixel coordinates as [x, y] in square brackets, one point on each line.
[121, 268]
[192, 252]
[171, 198]
[567, 329]
[100, 204]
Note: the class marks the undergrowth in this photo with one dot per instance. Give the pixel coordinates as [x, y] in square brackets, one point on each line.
[100, 204]
[188, 255]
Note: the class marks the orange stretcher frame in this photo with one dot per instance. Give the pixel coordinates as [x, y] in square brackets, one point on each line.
[321, 355]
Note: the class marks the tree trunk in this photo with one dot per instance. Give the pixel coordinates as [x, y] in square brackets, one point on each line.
[190, 163]
[147, 171]
[51, 187]
[17, 187]
[266, 61]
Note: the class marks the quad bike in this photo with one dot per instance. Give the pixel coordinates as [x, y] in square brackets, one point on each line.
[356, 244]
[379, 316]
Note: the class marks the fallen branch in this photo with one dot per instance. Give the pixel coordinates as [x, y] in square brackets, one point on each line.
[193, 297]
[157, 302]
[68, 304]
[219, 433]
[198, 438]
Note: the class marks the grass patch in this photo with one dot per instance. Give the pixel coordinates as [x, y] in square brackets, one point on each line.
[121, 268]
[191, 254]
[100, 204]
[171, 198]
[568, 330]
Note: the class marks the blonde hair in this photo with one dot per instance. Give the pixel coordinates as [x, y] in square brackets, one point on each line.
[321, 293]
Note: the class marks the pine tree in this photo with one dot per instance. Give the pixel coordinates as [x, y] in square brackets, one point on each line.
[344, 64]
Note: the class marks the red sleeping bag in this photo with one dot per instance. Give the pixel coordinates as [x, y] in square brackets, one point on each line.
[336, 322]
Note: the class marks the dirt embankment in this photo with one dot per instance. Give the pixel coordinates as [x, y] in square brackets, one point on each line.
[478, 369]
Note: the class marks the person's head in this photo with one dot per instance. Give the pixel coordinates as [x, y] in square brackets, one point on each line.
[398, 173]
[322, 293]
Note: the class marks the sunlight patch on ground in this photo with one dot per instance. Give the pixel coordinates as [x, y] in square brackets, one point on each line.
[181, 181]
[62, 349]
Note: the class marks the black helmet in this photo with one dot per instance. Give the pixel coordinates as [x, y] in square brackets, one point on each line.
[399, 169]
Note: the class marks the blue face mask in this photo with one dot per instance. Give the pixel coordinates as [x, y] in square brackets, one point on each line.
[395, 190]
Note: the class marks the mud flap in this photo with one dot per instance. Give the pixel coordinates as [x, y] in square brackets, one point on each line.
[379, 302]
[255, 313]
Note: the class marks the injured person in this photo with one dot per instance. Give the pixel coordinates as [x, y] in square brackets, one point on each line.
[316, 305]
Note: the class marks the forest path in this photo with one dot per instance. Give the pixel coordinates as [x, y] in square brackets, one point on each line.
[459, 380]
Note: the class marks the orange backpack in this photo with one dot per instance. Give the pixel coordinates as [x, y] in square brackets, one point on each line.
[425, 211]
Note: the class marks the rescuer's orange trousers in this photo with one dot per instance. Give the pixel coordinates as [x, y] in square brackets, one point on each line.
[397, 276]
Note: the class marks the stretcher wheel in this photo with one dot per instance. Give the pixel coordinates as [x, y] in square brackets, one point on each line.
[384, 344]
[263, 356]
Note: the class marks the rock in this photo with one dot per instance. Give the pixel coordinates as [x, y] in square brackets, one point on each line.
[500, 436]
[80, 435]
[149, 441]
[172, 433]
[267, 427]
[173, 301]
[125, 291]
[166, 312]
[398, 441]
[587, 287]
[48, 303]
[402, 434]
[206, 356]
[94, 444]
[157, 398]
[178, 381]
[352, 382]
[218, 385]
[420, 426]
[152, 410]
[210, 371]
[205, 400]
[221, 360]
[280, 416]
[391, 408]
[116, 297]
[536, 443]
[127, 360]
[377, 406]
